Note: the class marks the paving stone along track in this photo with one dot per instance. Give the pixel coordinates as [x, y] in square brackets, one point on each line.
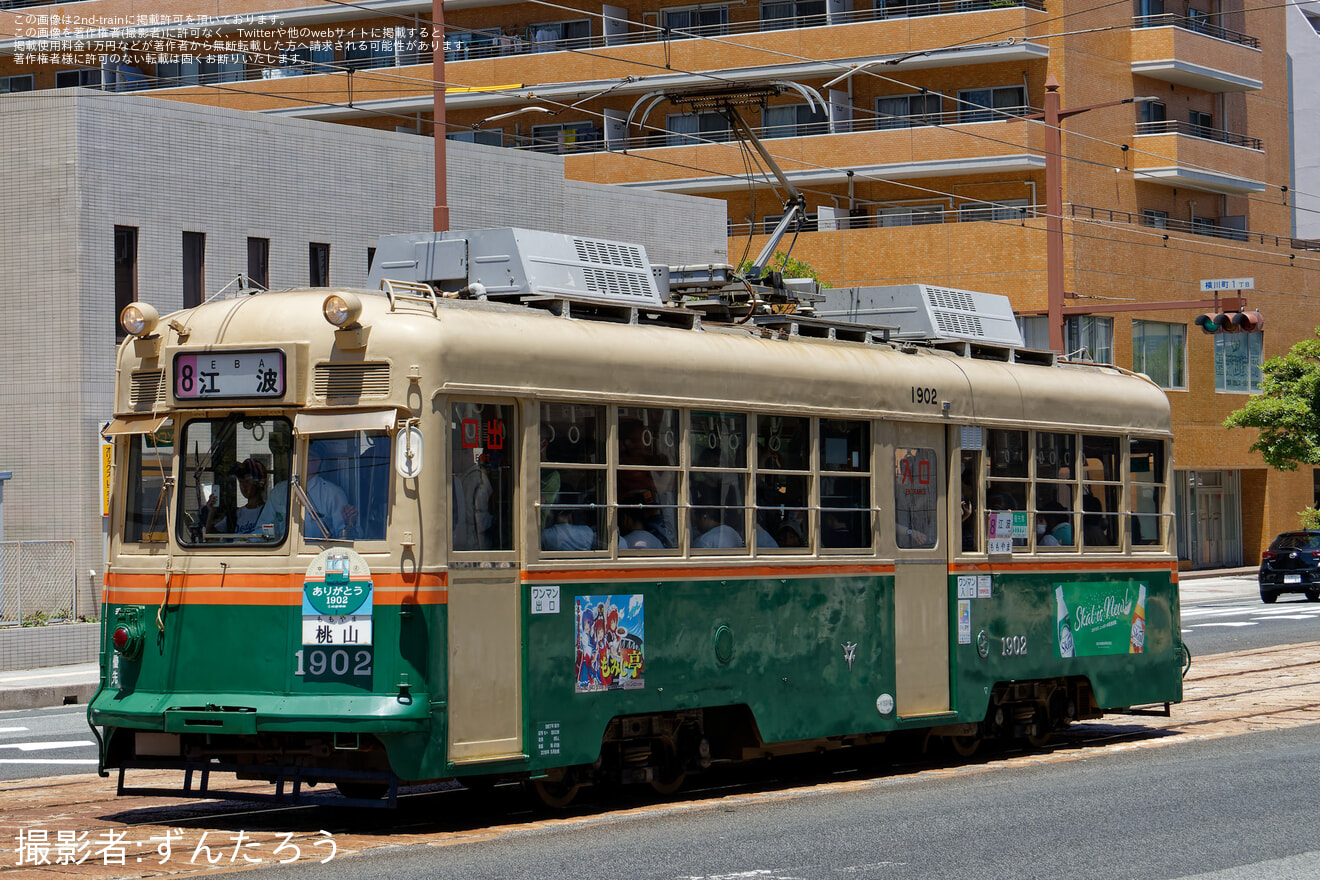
[74, 826]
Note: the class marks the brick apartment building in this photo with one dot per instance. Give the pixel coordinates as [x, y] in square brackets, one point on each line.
[917, 166]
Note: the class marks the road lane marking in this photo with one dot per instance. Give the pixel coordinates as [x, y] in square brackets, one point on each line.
[78, 761]
[12, 729]
[42, 746]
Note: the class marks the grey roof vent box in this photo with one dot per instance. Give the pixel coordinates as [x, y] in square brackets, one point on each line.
[514, 263]
[924, 311]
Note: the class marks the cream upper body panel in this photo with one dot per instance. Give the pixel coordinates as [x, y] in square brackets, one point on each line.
[492, 349]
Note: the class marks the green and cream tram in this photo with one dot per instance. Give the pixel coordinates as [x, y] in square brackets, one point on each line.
[528, 520]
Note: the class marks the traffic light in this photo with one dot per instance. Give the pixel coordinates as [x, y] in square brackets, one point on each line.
[1230, 322]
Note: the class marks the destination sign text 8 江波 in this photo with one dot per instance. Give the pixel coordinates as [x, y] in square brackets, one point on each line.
[229, 374]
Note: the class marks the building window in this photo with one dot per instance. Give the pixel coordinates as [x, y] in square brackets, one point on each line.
[907, 111]
[1035, 331]
[556, 36]
[1090, 338]
[24, 83]
[1237, 361]
[693, 21]
[194, 269]
[909, 215]
[1157, 219]
[1160, 351]
[87, 76]
[802, 13]
[126, 246]
[566, 137]
[1004, 209]
[258, 262]
[988, 105]
[1152, 112]
[302, 60]
[1204, 226]
[318, 272]
[694, 128]
[371, 258]
[794, 120]
[1202, 125]
[805, 223]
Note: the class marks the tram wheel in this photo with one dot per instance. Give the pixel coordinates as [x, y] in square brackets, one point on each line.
[667, 776]
[1041, 738]
[965, 746]
[557, 795]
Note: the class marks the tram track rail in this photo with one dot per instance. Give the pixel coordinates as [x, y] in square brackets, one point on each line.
[1229, 694]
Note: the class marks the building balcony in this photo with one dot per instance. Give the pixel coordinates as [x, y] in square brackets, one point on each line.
[1190, 51]
[1197, 157]
[818, 154]
[919, 33]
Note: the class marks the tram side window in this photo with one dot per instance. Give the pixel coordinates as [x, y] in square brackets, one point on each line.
[845, 484]
[1101, 487]
[916, 497]
[572, 477]
[969, 505]
[348, 483]
[150, 460]
[783, 483]
[647, 478]
[1056, 490]
[1146, 492]
[717, 483]
[229, 494]
[1008, 469]
[482, 459]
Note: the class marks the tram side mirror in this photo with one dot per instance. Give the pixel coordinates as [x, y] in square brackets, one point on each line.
[408, 452]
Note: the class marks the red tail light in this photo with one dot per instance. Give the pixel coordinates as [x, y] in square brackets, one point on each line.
[120, 638]
[1268, 555]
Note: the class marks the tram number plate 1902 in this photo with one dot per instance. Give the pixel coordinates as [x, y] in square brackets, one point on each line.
[350, 665]
[229, 374]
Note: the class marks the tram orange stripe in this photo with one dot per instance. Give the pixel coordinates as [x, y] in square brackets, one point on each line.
[693, 573]
[1109, 565]
[263, 589]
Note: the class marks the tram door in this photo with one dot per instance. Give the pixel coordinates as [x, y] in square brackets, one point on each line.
[484, 637]
[921, 590]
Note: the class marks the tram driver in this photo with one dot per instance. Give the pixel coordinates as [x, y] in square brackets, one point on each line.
[339, 518]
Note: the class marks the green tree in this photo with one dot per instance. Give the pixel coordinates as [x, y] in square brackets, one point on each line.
[788, 267]
[1286, 412]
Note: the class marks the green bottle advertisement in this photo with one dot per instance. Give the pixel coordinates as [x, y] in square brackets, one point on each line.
[1098, 619]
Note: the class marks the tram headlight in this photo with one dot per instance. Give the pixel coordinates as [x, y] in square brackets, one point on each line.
[138, 319]
[341, 309]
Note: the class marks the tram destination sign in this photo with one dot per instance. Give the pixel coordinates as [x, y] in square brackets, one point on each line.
[226, 374]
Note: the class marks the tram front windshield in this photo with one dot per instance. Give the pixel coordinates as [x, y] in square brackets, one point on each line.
[232, 471]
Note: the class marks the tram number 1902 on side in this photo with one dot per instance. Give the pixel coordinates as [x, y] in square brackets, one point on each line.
[925, 395]
[351, 665]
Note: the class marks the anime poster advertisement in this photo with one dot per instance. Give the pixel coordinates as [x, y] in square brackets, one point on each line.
[610, 634]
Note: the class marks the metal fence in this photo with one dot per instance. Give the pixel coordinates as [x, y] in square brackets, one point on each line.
[38, 582]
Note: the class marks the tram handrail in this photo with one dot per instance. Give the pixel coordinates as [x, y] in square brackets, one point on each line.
[416, 291]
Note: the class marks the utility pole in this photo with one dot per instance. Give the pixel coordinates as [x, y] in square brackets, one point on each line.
[440, 213]
[1053, 118]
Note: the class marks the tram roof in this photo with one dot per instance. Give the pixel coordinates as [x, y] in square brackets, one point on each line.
[474, 347]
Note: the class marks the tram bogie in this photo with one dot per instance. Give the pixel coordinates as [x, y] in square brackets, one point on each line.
[596, 544]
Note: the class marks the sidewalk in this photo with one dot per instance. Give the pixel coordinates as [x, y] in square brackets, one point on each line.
[55, 686]
[64, 685]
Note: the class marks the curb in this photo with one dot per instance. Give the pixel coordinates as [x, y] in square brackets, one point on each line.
[46, 696]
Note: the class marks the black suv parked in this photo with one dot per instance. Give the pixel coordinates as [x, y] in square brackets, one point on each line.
[1291, 565]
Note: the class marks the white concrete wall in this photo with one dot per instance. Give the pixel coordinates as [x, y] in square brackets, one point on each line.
[77, 163]
[1304, 118]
